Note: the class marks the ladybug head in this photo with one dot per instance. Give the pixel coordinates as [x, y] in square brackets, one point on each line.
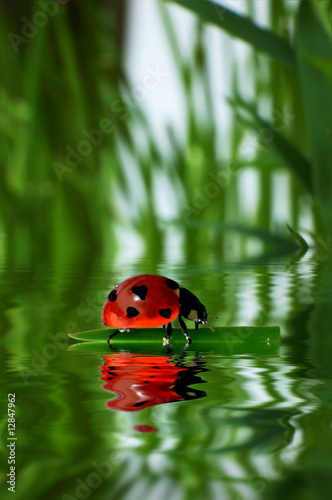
[191, 308]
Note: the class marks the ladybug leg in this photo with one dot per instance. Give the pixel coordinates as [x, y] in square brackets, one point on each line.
[184, 329]
[112, 335]
[168, 334]
[116, 332]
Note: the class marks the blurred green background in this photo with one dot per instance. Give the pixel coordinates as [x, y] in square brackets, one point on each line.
[237, 207]
[69, 136]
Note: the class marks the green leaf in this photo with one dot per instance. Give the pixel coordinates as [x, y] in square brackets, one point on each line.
[205, 335]
[226, 341]
[243, 28]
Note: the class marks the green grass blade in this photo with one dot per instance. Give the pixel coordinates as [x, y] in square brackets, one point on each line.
[243, 28]
[299, 238]
[226, 341]
[314, 51]
[297, 163]
[233, 334]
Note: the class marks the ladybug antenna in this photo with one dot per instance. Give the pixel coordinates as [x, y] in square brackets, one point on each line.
[213, 316]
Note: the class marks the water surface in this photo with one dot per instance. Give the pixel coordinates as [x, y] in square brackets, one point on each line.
[222, 422]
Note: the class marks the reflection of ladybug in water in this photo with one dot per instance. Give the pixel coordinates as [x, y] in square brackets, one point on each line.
[141, 381]
[148, 301]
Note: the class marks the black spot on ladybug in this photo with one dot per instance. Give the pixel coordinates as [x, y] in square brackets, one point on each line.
[132, 312]
[156, 367]
[140, 291]
[112, 296]
[165, 313]
[141, 403]
[171, 284]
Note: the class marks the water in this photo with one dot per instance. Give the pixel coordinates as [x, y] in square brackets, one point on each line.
[223, 422]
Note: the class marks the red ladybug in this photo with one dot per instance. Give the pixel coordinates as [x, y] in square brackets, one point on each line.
[148, 301]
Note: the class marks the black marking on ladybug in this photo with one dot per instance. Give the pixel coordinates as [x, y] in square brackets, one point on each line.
[112, 296]
[141, 403]
[132, 312]
[155, 368]
[172, 284]
[165, 313]
[140, 291]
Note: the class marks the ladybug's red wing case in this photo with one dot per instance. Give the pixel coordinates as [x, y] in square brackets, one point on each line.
[144, 301]
[148, 301]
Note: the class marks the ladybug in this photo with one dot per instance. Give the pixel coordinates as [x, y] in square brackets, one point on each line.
[148, 301]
